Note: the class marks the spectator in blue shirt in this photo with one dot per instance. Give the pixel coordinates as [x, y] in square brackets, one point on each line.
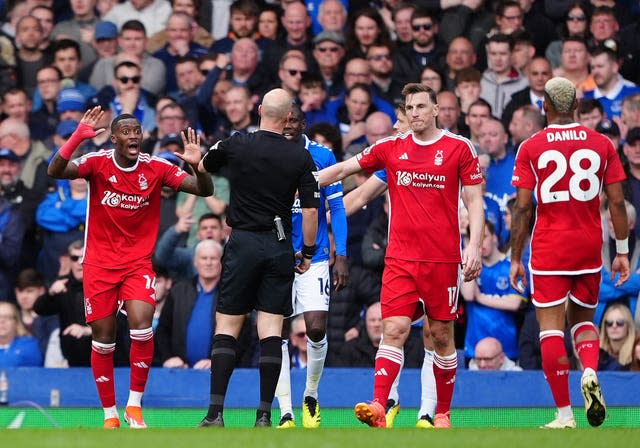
[16, 349]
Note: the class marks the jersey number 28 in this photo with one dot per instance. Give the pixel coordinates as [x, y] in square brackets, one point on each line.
[579, 174]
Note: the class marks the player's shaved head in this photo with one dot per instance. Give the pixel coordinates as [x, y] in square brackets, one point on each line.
[276, 104]
[116, 121]
[560, 93]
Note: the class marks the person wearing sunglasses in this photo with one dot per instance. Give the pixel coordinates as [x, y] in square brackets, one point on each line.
[575, 25]
[292, 68]
[617, 337]
[425, 48]
[130, 98]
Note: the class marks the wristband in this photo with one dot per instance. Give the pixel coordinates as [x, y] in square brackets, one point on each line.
[622, 246]
[308, 251]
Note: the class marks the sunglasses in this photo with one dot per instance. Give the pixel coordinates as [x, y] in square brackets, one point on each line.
[126, 79]
[617, 323]
[205, 72]
[296, 72]
[74, 257]
[325, 49]
[577, 18]
[424, 26]
[380, 57]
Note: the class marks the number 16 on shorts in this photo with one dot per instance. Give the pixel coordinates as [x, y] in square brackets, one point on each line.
[311, 290]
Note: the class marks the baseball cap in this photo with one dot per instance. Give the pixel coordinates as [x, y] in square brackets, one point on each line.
[169, 139]
[105, 30]
[332, 36]
[608, 127]
[6, 153]
[66, 127]
[633, 136]
[70, 99]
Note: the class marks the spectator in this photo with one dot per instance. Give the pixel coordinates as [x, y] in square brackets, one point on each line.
[460, 56]
[501, 80]
[449, 112]
[189, 7]
[130, 98]
[523, 51]
[574, 64]
[178, 259]
[16, 348]
[79, 28]
[471, 19]
[631, 150]
[533, 94]
[630, 115]
[189, 79]
[243, 23]
[491, 302]
[328, 55]
[268, 22]
[327, 135]
[132, 41]
[425, 50]
[493, 141]
[611, 130]
[479, 112]
[365, 29]
[298, 338]
[332, 16]
[104, 43]
[401, 16]
[536, 21]
[67, 58]
[489, 356]
[611, 87]
[526, 121]
[351, 117]
[152, 13]
[170, 120]
[49, 83]
[292, 68]
[164, 282]
[431, 77]
[180, 43]
[604, 25]
[635, 363]
[574, 25]
[467, 89]
[29, 57]
[618, 335]
[189, 313]
[590, 113]
[313, 99]
[381, 64]
[45, 15]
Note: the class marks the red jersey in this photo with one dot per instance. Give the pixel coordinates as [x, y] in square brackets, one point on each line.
[124, 207]
[424, 179]
[566, 166]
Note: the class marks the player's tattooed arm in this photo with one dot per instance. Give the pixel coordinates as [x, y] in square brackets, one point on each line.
[519, 231]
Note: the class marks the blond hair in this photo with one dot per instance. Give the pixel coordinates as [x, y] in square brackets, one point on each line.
[561, 94]
[625, 355]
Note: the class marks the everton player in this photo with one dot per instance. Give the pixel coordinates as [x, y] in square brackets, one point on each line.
[425, 168]
[121, 231]
[567, 166]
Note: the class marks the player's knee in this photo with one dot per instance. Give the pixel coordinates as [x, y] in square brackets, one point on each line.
[394, 331]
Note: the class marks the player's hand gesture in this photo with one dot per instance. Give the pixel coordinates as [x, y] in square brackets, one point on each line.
[620, 266]
[516, 276]
[89, 121]
[191, 143]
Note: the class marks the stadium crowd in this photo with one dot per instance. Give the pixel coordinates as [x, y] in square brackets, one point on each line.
[207, 64]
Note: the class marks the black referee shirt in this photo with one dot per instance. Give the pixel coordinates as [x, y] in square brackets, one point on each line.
[265, 170]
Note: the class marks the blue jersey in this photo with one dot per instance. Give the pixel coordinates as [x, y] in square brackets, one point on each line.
[612, 102]
[382, 175]
[323, 157]
[484, 321]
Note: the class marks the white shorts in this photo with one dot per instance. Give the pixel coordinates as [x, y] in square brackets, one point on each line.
[311, 289]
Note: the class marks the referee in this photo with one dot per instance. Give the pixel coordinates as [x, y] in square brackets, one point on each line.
[265, 170]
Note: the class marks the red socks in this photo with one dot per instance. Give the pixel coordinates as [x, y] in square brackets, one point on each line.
[389, 360]
[588, 349]
[102, 367]
[444, 369]
[555, 365]
[140, 357]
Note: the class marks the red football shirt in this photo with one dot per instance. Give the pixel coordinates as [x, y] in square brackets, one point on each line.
[124, 207]
[424, 179]
[567, 166]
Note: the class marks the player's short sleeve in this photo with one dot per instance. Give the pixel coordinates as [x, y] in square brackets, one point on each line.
[173, 175]
[523, 175]
[85, 165]
[309, 187]
[615, 171]
[470, 172]
[373, 157]
[381, 175]
[216, 157]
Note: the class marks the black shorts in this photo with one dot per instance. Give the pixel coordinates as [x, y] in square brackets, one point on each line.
[257, 273]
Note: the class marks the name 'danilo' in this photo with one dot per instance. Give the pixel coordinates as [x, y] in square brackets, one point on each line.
[566, 134]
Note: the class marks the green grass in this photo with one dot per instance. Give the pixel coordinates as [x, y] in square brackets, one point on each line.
[31, 418]
[351, 438]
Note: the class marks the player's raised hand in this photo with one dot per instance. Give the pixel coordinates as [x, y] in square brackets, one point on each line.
[89, 121]
[620, 266]
[191, 144]
[516, 276]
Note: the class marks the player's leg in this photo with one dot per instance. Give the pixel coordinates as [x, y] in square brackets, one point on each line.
[101, 303]
[317, 346]
[283, 388]
[223, 361]
[549, 294]
[583, 300]
[102, 347]
[140, 316]
[428, 398]
[392, 406]
[439, 285]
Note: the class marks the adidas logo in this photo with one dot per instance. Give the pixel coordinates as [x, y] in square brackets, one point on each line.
[141, 365]
[404, 156]
[381, 372]
[113, 179]
[102, 379]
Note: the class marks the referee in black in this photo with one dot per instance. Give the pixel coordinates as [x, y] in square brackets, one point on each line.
[265, 171]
